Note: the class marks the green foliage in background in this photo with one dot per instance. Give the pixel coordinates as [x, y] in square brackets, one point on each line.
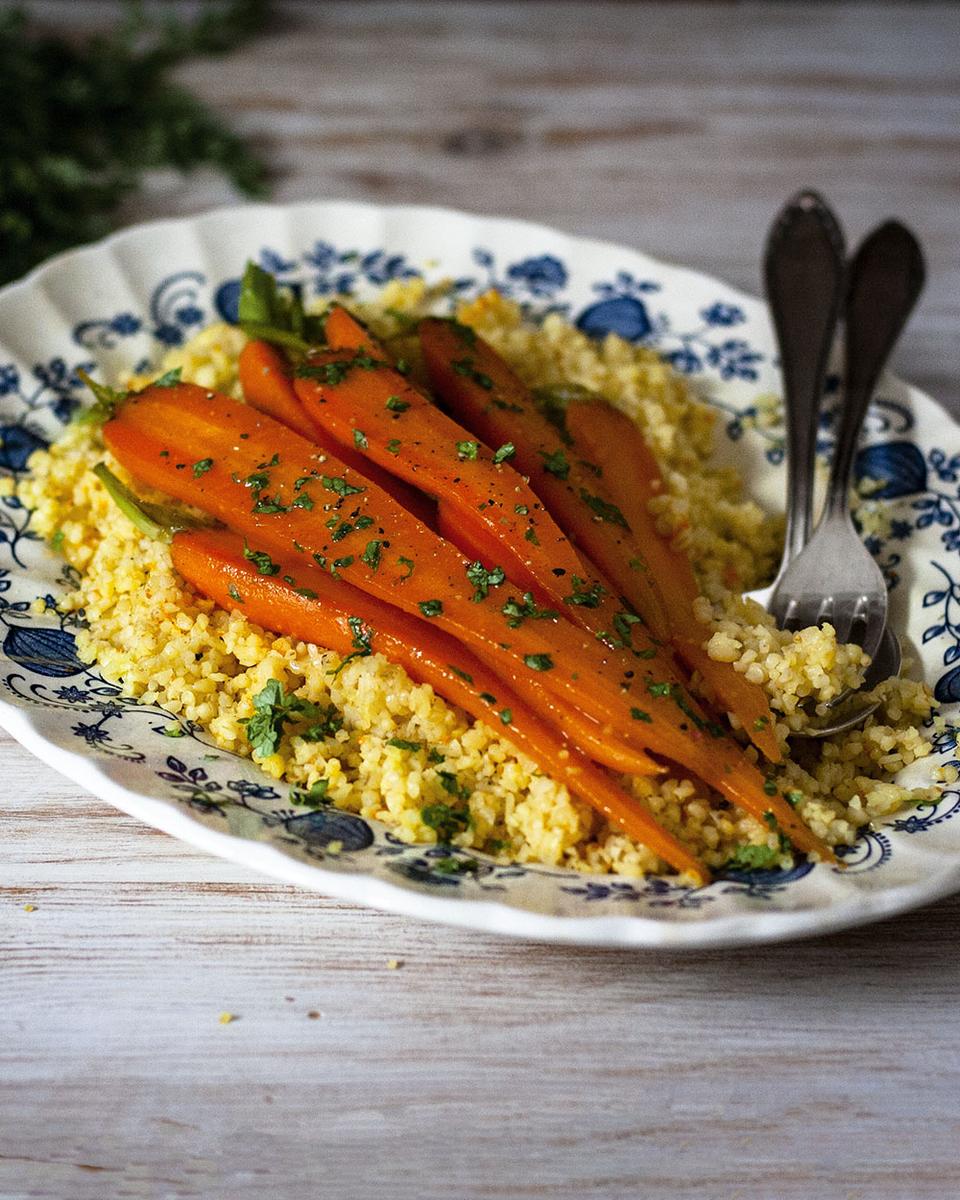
[81, 121]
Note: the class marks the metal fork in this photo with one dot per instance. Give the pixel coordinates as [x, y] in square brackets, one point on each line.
[834, 579]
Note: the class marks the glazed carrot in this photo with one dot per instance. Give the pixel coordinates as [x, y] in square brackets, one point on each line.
[505, 411]
[334, 614]
[632, 477]
[248, 457]
[266, 382]
[583, 505]
[484, 500]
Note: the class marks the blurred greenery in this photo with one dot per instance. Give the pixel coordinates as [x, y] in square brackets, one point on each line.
[82, 121]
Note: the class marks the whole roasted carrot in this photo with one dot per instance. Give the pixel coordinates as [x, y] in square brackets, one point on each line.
[631, 477]
[275, 488]
[267, 383]
[583, 503]
[334, 614]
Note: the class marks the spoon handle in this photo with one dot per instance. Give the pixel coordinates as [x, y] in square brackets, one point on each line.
[886, 277]
[804, 277]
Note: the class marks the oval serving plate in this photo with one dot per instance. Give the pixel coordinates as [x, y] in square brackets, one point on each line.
[122, 302]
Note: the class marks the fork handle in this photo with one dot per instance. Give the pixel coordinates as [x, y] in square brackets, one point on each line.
[886, 277]
[804, 277]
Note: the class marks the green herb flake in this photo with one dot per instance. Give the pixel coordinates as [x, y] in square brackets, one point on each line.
[431, 608]
[530, 535]
[639, 714]
[467, 451]
[261, 560]
[372, 553]
[793, 798]
[603, 510]
[521, 510]
[313, 797]
[339, 486]
[506, 716]
[461, 674]
[393, 446]
[505, 452]
[445, 820]
[173, 731]
[467, 368]
[556, 463]
[274, 709]
[518, 611]
[409, 564]
[396, 405]
[583, 596]
[753, 858]
[659, 689]
[360, 439]
[538, 662]
[234, 594]
[201, 467]
[483, 580]
[403, 744]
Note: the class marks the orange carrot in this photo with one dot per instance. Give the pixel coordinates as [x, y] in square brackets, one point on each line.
[334, 614]
[505, 411]
[583, 504]
[485, 502]
[306, 500]
[266, 383]
[631, 477]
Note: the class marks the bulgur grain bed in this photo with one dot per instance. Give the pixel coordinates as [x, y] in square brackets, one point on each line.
[390, 754]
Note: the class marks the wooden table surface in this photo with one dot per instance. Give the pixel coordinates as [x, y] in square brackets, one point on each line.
[485, 1069]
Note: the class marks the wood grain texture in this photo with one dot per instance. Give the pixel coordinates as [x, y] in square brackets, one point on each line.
[480, 1068]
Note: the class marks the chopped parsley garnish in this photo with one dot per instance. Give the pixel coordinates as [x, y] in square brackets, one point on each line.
[261, 560]
[521, 510]
[505, 715]
[371, 555]
[538, 662]
[304, 500]
[464, 332]
[269, 505]
[623, 623]
[793, 798]
[56, 541]
[360, 439]
[395, 404]
[530, 535]
[201, 467]
[431, 608]
[770, 787]
[341, 564]
[483, 580]
[556, 463]
[173, 731]
[452, 785]
[659, 689]
[462, 674]
[168, 378]
[507, 450]
[409, 564]
[274, 709]
[362, 642]
[603, 509]
[583, 596]
[337, 484]
[761, 723]
[274, 462]
[753, 858]
[312, 797]
[403, 744]
[638, 714]
[393, 446]
[234, 594]
[467, 451]
[518, 611]
[467, 368]
[446, 820]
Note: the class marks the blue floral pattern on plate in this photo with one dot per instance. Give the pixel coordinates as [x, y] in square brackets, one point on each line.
[712, 335]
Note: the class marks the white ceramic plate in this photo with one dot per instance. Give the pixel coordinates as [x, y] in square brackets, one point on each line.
[124, 301]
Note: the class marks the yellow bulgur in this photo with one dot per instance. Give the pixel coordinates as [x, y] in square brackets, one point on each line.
[150, 633]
